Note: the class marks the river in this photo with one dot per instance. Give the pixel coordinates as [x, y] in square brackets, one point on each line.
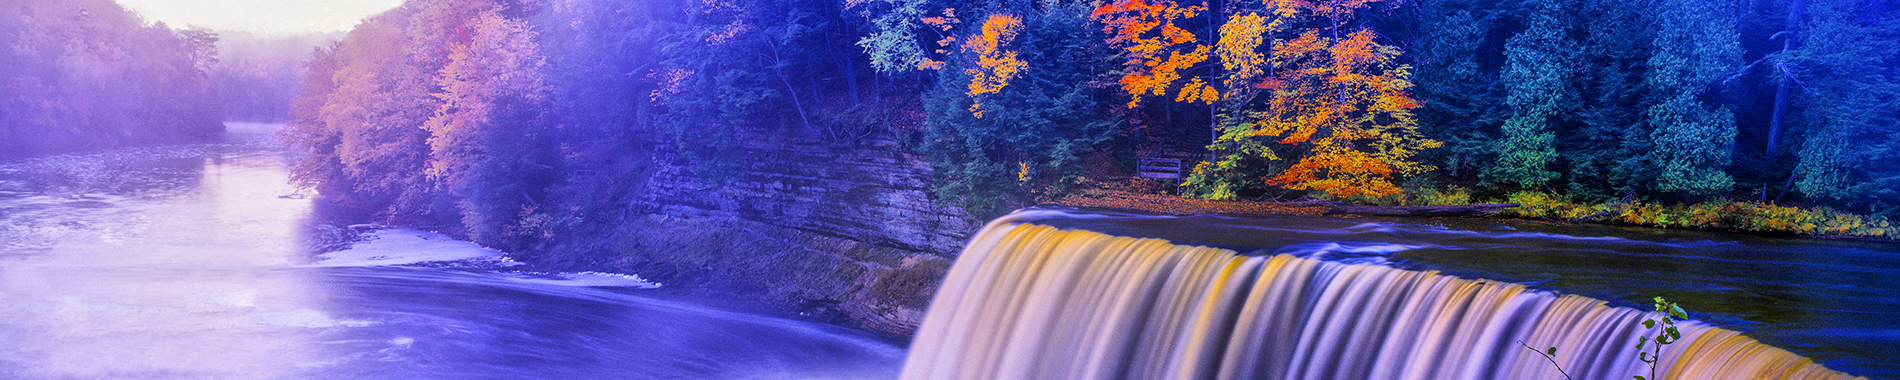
[199, 261]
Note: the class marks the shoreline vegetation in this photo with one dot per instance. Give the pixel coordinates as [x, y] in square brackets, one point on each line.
[1717, 214]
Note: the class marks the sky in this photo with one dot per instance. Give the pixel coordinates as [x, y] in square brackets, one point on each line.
[271, 17]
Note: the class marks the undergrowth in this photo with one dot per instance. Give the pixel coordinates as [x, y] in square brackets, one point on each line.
[1717, 214]
[1713, 214]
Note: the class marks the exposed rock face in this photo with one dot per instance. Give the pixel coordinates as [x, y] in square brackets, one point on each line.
[880, 197]
[846, 235]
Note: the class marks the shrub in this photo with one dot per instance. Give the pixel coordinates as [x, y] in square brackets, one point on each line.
[1755, 217]
[1451, 196]
[1215, 181]
[1539, 205]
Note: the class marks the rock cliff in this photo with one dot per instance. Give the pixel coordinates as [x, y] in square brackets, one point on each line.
[845, 235]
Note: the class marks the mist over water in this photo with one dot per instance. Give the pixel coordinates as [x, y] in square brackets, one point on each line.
[199, 261]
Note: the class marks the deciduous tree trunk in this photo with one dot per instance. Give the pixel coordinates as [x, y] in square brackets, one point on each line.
[1781, 88]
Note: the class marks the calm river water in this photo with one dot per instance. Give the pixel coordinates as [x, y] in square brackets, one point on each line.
[197, 262]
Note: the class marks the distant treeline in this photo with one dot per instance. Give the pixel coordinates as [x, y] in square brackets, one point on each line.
[88, 73]
[472, 112]
[257, 76]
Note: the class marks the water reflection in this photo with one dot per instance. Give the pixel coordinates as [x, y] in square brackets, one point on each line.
[192, 262]
[151, 263]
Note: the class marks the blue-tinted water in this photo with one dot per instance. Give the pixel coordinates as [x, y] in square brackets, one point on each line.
[1835, 301]
[199, 262]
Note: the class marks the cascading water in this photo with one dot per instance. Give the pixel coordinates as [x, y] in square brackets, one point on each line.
[1028, 301]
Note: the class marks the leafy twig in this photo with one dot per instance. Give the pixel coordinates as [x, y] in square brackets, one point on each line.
[1548, 356]
[1670, 313]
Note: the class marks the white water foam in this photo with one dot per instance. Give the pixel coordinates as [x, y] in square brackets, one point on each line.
[1349, 252]
[591, 279]
[383, 246]
[403, 246]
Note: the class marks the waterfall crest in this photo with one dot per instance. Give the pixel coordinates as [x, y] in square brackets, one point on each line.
[1026, 301]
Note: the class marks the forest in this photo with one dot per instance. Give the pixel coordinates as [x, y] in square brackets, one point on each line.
[82, 74]
[690, 188]
[479, 113]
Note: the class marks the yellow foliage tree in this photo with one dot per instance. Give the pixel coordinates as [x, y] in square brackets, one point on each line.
[1349, 97]
[1239, 52]
[1343, 99]
[995, 67]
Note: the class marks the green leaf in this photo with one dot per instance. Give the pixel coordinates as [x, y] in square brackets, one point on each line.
[1649, 324]
[1641, 342]
[1639, 377]
[1552, 351]
[1678, 312]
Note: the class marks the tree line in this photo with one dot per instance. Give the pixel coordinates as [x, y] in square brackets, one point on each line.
[77, 74]
[257, 76]
[474, 112]
[1676, 100]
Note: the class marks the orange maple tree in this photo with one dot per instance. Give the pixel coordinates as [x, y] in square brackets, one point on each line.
[1158, 50]
[943, 24]
[497, 64]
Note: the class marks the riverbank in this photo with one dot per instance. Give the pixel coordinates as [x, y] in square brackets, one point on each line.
[1174, 205]
[1714, 215]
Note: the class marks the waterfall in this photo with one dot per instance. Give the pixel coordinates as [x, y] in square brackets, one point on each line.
[1027, 301]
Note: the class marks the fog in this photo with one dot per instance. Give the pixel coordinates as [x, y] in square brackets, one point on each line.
[264, 17]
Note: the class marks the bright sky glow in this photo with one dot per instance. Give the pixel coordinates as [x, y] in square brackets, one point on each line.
[265, 17]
